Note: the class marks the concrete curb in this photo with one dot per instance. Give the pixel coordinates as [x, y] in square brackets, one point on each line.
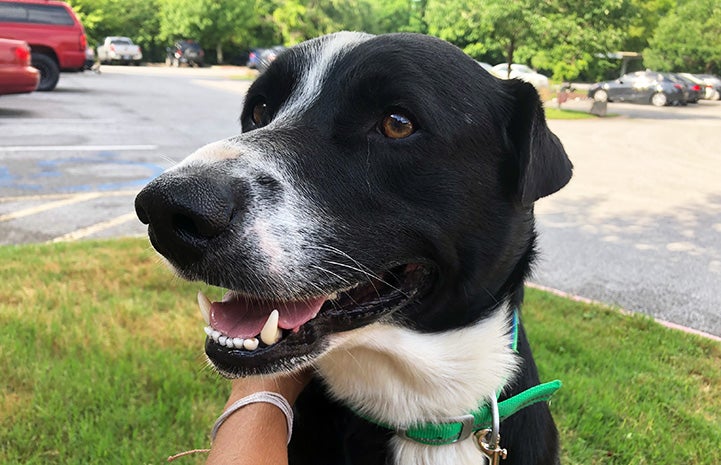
[586, 300]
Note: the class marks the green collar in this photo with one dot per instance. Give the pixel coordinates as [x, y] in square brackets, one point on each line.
[459, 428]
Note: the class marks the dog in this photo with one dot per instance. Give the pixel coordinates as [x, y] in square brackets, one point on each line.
[374, 221]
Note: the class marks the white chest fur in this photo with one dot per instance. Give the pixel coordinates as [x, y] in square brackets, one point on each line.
[400, 377]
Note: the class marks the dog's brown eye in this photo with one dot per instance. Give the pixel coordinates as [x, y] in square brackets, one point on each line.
[397, 126]
[259, 113]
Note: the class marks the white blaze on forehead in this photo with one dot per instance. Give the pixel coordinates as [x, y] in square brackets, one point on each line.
[215, 151]
[320, 54]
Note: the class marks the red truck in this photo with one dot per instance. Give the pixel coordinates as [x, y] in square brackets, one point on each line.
[53, 31]
[16, 74]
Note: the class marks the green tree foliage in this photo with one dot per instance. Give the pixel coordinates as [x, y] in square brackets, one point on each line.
[299, 20]
[215, 23]
[137, 19]
[565, 38]
[575, 34]
[561, 36]
[688, 39]
[642, 22]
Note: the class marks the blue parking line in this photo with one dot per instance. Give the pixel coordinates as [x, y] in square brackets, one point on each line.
[54, 168]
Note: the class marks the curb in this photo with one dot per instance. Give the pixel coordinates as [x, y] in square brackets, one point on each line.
[586, 300]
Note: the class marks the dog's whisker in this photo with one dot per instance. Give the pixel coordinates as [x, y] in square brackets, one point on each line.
[360, 268]
[371, 277]
[325, 270]
[323, 292]
[168, 159]
[330, 248]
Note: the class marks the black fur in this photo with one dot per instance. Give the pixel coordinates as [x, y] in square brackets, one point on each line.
[456, 196]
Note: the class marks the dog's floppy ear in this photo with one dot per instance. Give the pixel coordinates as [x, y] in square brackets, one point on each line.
[542, 163]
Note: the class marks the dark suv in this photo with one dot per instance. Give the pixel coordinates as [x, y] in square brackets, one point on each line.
[185, 51]
[51, 28]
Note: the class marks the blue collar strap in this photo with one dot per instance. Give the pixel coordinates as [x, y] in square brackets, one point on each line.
[460, 428]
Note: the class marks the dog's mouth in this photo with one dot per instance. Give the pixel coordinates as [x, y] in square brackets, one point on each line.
[252, 335]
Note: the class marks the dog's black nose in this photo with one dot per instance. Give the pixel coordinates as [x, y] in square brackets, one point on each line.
[186, 211]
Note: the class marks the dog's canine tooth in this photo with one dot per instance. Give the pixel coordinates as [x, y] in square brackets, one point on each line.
[204, 305]
[270, 334]
[208, 330]
[250, 344]
[238, 342]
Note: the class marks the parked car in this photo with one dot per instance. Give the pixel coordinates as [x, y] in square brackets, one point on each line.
[56, 37]
[89, 59]
[692, 90]
[714, 85]
[707, 90]
[115, 49]
[519, 71]
[485, 66]
[267, 56]
[16, 74]
[187, 52]
[252, 62]
[640, 87]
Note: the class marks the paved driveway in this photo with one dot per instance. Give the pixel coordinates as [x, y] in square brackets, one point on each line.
[639, 226]
[72, 160]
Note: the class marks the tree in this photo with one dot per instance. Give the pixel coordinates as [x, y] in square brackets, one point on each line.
[216, 23]
[299, 20]
[562, 36]
[687, 39]
[643, 22]
[576, 34]
[136, 19]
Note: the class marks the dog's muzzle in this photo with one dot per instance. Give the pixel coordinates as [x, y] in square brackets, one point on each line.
[187, 210]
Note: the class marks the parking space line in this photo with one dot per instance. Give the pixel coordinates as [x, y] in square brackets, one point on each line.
[32, 198]
[75, 148]
[48, 206]
[98, 227]
[67, 200]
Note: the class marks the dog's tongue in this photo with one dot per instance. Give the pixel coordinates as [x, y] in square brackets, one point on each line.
[244, 318]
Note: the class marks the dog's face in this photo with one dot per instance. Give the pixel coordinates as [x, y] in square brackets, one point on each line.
[376, 178]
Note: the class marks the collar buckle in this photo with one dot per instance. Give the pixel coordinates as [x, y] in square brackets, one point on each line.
[467, 429]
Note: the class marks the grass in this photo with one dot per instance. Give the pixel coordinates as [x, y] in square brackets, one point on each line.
[560, 113]
[101, 362]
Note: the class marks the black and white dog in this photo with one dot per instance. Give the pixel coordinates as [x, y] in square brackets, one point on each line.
[374, 220]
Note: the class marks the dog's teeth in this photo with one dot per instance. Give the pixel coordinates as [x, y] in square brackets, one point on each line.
[222, 340]
[229, 343]
[204, 305]
[215, 335]
[238, 343]
[208, 330]
[250, 344]
[270, 334]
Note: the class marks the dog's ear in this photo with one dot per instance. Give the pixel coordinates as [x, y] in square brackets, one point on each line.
[542, 164]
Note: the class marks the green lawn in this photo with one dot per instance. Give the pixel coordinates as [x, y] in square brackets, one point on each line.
[101, 362]
[560, 113]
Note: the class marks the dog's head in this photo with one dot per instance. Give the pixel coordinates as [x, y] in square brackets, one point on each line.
[376, 178]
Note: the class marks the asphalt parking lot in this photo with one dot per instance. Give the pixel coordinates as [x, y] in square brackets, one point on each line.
[72, 160]
[639, 226]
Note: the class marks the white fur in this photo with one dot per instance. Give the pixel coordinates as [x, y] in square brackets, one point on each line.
[281, 232]
[400, 377]
[323, 54]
